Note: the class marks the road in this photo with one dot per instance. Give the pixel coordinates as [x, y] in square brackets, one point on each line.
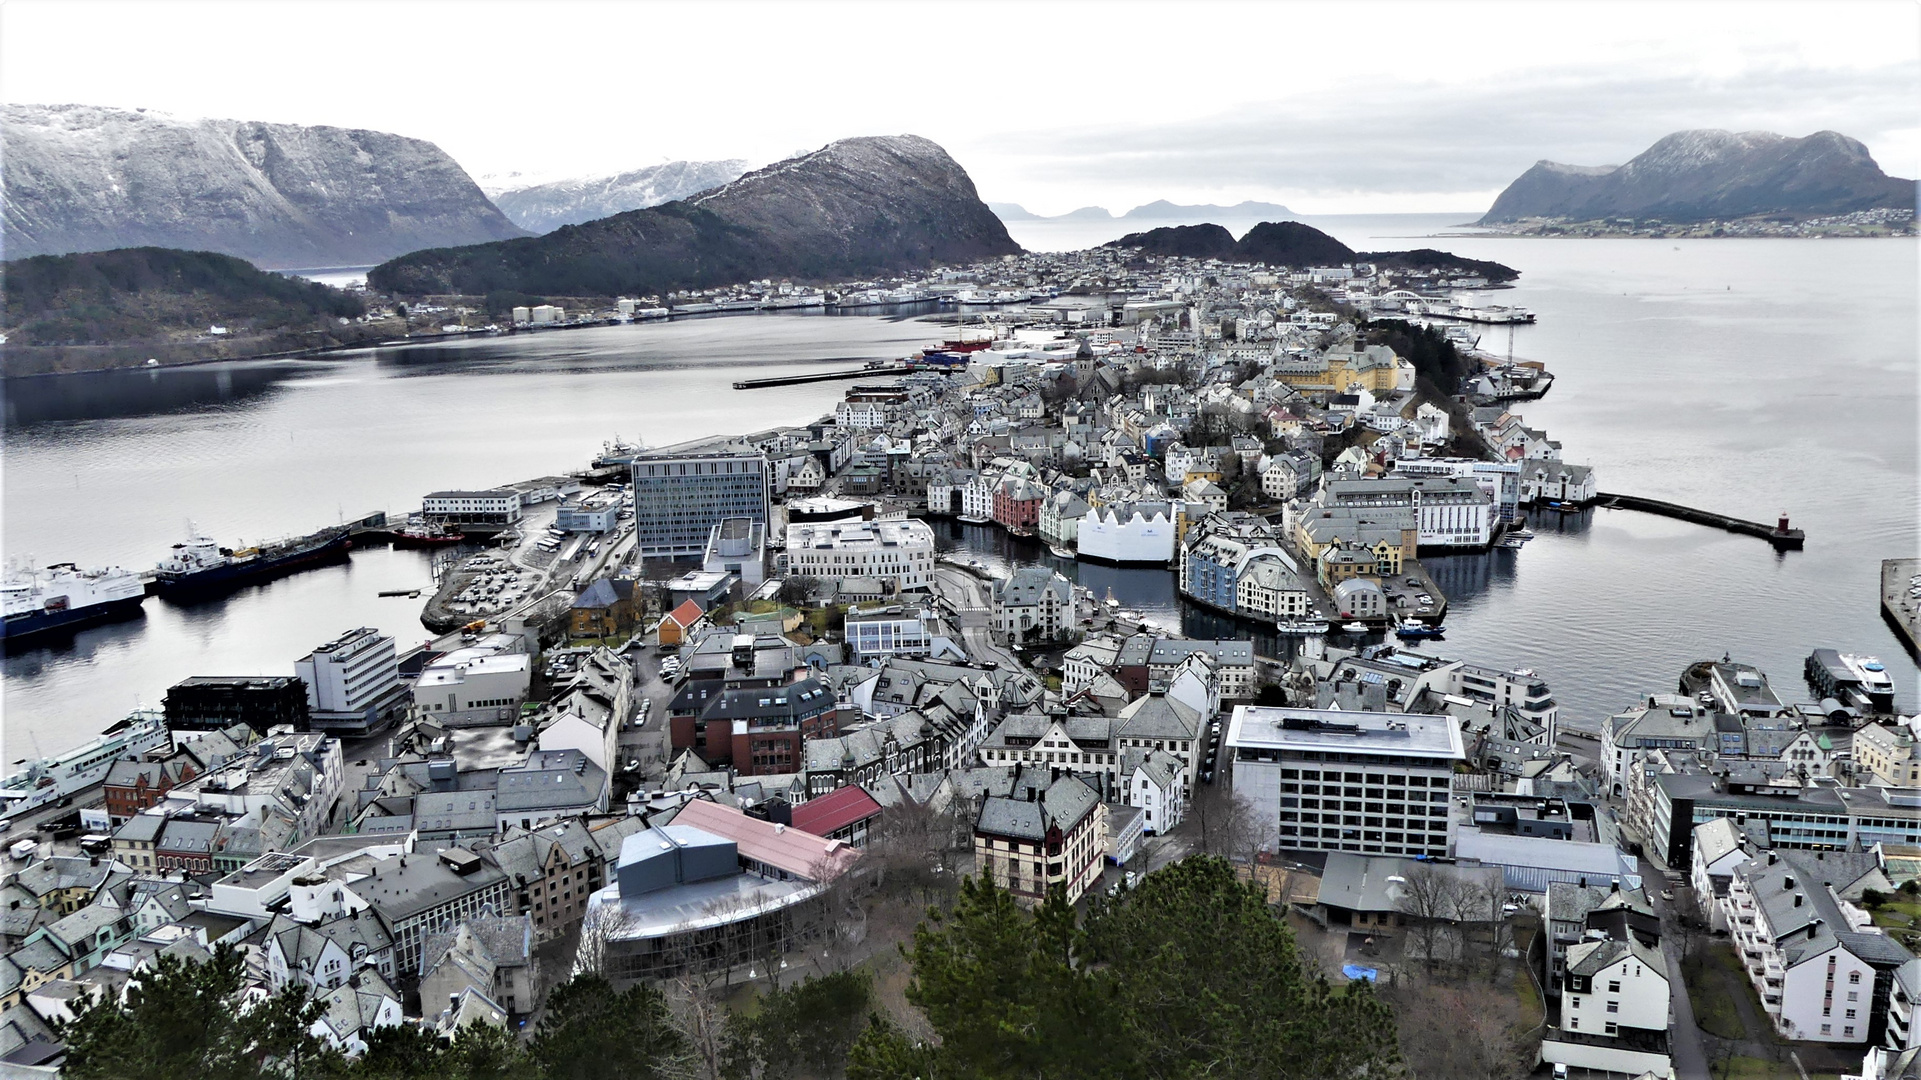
[1684, 1036]
[967, 597]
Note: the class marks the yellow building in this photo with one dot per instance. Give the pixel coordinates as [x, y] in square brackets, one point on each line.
[1374, 367]
[1888, 753]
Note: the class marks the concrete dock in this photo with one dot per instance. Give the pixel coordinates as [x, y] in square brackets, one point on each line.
[1780, 535]
[1899, 605]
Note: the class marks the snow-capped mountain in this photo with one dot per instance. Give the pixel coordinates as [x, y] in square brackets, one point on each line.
[85, 178]
[542, 206]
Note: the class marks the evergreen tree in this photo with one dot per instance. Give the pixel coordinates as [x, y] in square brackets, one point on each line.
[184, 1020]
[1191, 974]
[592, 1032]
[801, 1030]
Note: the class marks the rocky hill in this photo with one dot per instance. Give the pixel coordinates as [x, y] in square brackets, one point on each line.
[1188, 241]
[542, 208]
[120, 308]
[1710, 175]
[84, 178]
[853, 208]
[1290, 243]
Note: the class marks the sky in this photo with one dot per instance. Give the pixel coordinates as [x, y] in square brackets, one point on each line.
[1350, 108]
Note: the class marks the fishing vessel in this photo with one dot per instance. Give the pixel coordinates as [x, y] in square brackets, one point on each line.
[1415, 628]
[48, 779]
[201, 565]
[421, 534]
[1301, 626]
[65, 597]
[1355, 627]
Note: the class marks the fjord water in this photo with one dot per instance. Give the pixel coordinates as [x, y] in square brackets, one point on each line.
[1744, 376]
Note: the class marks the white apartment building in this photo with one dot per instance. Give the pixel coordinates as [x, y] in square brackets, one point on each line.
[1033, 601]
[1085, 662]
[351, 681]
[1335, 780]
[1450, 511]
[1613, 985]
[1154, 781]
[1791, 933]
[900, 553]
[500, 506]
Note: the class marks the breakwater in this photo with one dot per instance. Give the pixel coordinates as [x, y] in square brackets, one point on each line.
[1779, 534]
[819, 376]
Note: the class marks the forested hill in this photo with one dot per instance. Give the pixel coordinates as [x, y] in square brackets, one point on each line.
[120, 308]
[854, 208]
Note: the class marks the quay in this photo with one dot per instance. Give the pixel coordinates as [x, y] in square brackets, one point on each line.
[877, 368]
[1780, 535]
[1900, 605]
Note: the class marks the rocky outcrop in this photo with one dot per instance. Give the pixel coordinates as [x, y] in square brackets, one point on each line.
[1290, 243]
[854, 208]
[84, 178]
[1710, 175]
[542, 208]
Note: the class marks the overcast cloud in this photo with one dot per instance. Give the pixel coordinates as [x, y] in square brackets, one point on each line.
[1326, 107]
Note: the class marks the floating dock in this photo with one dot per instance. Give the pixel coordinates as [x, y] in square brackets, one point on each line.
[1779, 534]
[1899, 605]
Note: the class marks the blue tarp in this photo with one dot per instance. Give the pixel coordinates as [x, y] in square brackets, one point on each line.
[1356, 972]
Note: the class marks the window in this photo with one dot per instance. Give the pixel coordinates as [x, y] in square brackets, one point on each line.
[1827, 1029]
[1614, 1006]
[1614, 986]
[1854, 978]
[1613, 1028]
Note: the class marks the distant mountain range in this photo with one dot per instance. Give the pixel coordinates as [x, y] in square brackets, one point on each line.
[1290, 243]
[85, 178]
[856, 207]
[1159, 210]
[544, 207]
[1710, 175]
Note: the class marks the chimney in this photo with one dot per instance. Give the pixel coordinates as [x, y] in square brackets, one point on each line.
[1770, 858]
[1797, 899]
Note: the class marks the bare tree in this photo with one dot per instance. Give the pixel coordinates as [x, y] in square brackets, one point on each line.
[1429, 899]
[1454, 1033]
[603, 924]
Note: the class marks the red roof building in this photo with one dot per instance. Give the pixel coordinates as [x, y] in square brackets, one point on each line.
[675, 624]
[844, 814]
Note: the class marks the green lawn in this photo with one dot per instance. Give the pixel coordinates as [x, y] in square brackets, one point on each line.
[1531, 1009]
[1746, 1068]
[1714, 1010]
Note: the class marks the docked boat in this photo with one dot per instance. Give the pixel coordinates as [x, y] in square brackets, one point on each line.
[1355, 627]
[46, 780]
[1112, 604]
[1301, 626]
[418, 534]
[1060, 552]
[1415, 628]
[201, 565]
[64, 597]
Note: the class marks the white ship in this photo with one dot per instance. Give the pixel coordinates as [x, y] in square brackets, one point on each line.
[50, 779]
[65, 597]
